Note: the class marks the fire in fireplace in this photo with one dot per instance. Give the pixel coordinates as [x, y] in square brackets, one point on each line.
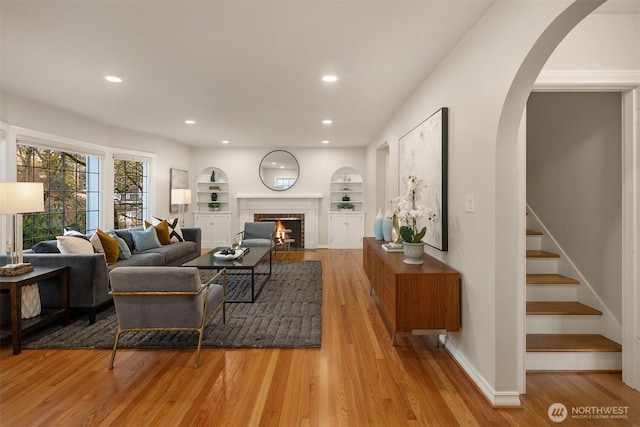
[289, 228]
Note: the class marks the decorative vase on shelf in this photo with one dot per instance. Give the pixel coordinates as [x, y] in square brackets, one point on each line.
[377, 225]
[214, 197]
[213, 176]
[413, 253]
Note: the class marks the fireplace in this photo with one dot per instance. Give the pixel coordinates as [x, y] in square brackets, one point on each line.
[290, 228]
[306, 207]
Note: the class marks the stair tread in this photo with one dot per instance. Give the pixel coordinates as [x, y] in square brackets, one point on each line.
[533, 233]
[568, 308]
[550, 279]
[571, 343]
[541, 254]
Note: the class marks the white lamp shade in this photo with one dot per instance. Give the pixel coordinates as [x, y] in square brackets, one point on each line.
[180, 196]
[21, 197]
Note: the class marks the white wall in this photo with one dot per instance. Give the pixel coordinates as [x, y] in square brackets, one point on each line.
[485, 81]
[317, 165]
[241, 166]
[33, 115]
[600, 42]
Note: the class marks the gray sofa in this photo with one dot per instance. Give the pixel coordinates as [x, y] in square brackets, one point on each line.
[89, 281]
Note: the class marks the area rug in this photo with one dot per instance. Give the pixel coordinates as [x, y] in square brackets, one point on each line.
[287, 314]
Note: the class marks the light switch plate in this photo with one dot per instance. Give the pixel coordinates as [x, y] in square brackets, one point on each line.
[469, 203]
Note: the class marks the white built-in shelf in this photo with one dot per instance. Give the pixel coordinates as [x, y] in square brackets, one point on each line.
[346, 182]
[205, 188]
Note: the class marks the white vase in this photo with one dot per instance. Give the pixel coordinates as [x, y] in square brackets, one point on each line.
[387, 224]
[377, 225]
[413, 253]
[30, 301]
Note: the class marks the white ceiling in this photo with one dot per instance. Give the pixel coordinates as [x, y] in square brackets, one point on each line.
[245, 71]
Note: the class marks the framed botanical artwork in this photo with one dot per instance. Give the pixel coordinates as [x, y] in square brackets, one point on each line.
[423, 152]
[178, 179]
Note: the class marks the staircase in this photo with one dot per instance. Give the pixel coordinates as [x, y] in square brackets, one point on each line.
[562, 333]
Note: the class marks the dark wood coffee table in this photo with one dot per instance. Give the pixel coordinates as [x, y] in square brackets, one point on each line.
[249, 261]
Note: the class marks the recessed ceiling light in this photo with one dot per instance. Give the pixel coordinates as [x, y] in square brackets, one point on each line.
[330, 78]
[190, 122]
[327, 121]
[325, 141]
[113, 79]
[224, 141]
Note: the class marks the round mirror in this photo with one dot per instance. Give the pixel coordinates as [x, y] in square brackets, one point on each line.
[279, 170]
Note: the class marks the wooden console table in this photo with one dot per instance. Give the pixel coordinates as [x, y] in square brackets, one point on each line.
[413, 298]
[14, 285]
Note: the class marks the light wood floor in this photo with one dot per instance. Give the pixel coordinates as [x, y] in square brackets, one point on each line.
[357, 378]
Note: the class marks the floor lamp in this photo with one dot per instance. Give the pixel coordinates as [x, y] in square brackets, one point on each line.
[17, 198]
[181, 197]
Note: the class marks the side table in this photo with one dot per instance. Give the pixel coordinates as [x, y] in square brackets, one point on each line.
[14, 285]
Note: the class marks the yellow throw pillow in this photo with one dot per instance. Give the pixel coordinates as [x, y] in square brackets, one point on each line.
[162, 230]
[110, 245]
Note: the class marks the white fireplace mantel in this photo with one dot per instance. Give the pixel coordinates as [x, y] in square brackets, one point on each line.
[307, 204]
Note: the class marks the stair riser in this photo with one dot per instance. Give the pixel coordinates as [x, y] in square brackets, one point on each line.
[534, 243]
[552, 292]
[537, 324]
[573, 361]
[542, 266]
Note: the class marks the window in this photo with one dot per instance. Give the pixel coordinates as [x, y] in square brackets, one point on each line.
[284, 183]
[130, 199]
[71, 191]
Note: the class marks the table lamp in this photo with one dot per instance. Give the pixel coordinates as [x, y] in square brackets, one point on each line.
[17, 198]
[181, 197]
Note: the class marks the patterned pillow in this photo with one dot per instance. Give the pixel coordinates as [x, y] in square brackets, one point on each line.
[75, 233]
[175, 232]
[74, 246]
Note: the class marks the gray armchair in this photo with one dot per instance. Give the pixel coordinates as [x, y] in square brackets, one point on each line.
[258, 234]
[165, 299]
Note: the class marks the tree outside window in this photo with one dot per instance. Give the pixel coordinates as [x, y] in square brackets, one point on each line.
[130, 193]
[71, 194]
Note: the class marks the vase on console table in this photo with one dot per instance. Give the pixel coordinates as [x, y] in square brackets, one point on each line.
[387, 225]
[377, 225]
[413, 253]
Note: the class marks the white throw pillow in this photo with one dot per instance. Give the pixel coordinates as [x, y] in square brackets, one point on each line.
[97, 244]
[74, 246]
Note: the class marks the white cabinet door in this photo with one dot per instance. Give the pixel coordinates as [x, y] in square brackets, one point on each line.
[346, 230]
[215, 229]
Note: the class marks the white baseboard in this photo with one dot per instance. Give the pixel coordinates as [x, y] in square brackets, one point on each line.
[496, 398]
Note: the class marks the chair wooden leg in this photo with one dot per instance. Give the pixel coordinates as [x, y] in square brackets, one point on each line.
[200, 335]
[115, 346]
